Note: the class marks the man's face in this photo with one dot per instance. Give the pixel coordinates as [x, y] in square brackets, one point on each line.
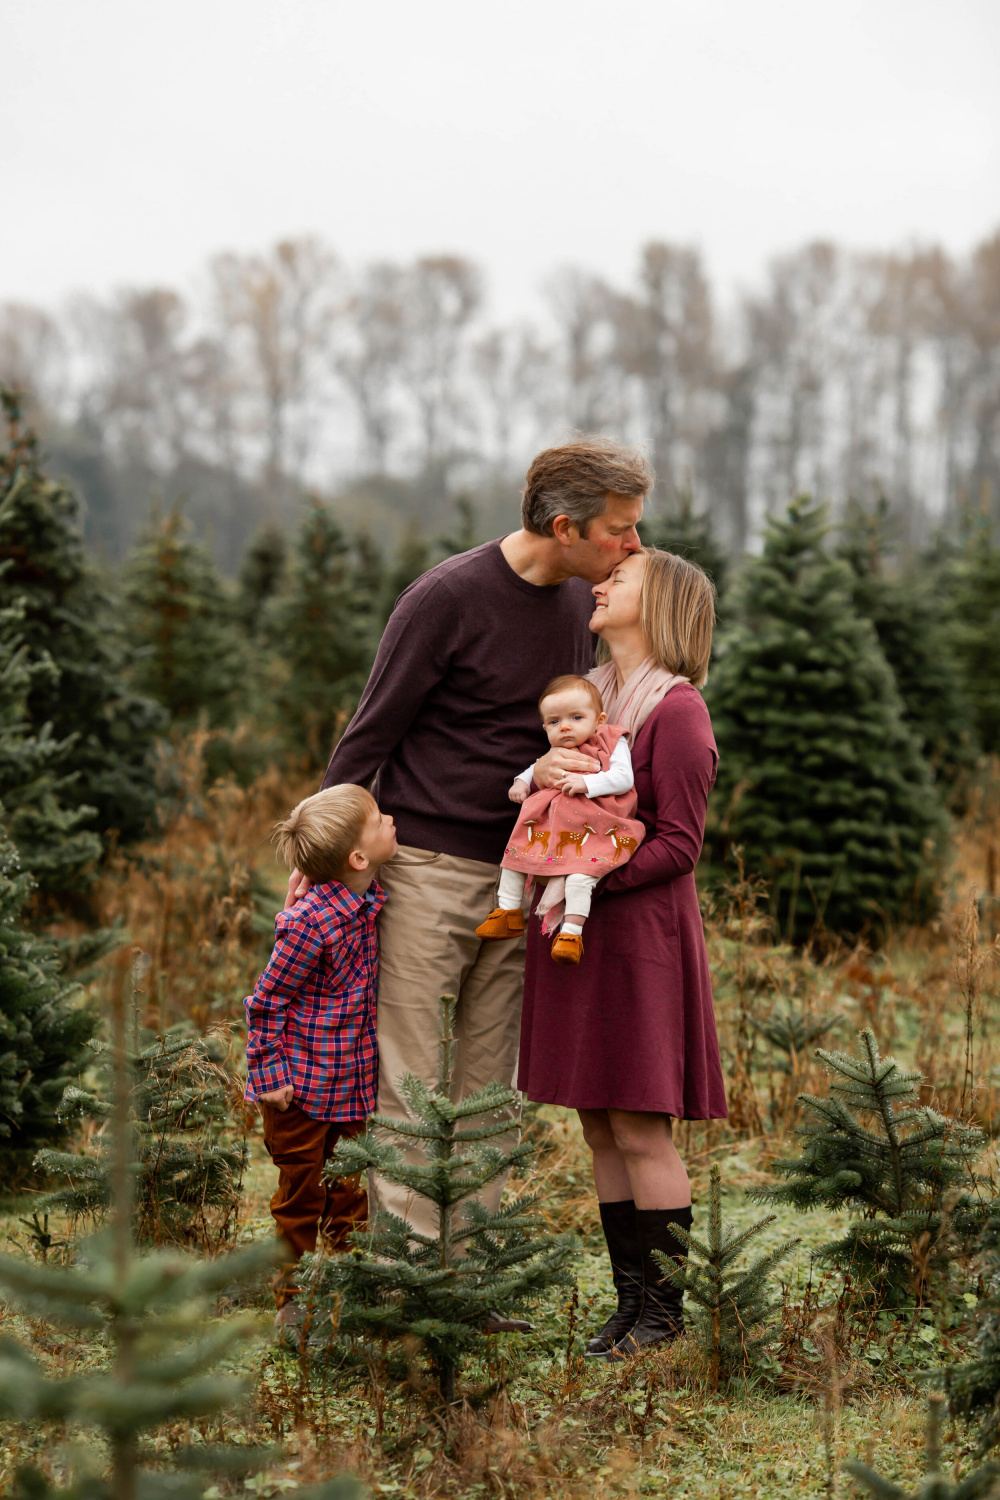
[610, 539]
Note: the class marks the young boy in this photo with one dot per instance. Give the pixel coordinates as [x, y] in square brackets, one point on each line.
[312, 1058]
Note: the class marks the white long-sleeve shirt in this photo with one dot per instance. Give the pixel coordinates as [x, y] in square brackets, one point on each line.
[617, 778]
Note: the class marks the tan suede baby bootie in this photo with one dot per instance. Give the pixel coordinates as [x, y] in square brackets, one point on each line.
[502, 923]
[567, 948]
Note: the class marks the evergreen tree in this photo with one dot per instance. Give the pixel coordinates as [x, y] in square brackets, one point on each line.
[412, 560]
[733, 1306]
[440, 1289]
[43, 1027]
[689, 533]
[979, 1485]
[869, 1147]
[261, 575]
[323, 630]
[970, 594]
[188, 1162]
[820, 780]
[183, 624]
[908, 622]
[52, 840]
[104, 731]
[465, 535]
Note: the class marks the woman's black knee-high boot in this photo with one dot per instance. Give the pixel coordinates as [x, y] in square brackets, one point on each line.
[661, 1316]
[618, 1223]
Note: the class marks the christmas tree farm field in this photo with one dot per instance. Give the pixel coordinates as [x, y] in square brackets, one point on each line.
[847, 1360]
[561, 1426]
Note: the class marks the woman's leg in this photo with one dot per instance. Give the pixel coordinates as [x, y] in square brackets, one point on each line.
[645, 1147]
[618, 1224]
[662, 1194]
[610, 1172]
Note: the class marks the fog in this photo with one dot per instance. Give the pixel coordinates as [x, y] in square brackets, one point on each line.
[139, 139]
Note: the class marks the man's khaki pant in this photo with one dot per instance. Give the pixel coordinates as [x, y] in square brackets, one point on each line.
[428, 948]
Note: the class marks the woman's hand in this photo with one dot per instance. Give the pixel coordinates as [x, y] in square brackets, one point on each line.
[519, 790]
[573, 784]
[551, 767]
[299, 885]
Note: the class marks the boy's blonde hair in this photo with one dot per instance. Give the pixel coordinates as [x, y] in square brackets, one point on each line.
[677, 613]
[570, 680]
[320, 834]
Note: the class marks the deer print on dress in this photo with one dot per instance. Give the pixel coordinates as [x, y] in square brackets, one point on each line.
[621, 841]
[536, 836]
[577, 836]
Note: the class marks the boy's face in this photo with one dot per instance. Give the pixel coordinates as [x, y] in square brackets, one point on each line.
[569, 718]
[378, 838]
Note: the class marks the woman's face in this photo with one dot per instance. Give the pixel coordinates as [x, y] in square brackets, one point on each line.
[617, 598]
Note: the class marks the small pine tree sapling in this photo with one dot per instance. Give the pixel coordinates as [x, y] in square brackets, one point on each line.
[188, 1161]
[151, 1310]
[868, 1146]
[440, 1289]
[935, 1485]
[732, 1304]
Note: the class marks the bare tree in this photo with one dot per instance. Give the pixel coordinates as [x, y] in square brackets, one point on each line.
[668, 343]
[33, 354]
[370, 363]
[277, 311]
[442, 294]
[515, 374]
[588, 313]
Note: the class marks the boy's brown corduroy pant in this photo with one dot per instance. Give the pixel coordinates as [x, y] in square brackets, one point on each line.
[304, 1205]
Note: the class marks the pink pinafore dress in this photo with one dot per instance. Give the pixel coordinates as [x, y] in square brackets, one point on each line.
[560, 835]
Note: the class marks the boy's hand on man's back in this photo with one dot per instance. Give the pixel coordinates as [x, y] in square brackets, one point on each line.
[280, 1098]
[299, 885]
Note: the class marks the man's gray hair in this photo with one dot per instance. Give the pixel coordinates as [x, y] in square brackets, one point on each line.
[576, 479]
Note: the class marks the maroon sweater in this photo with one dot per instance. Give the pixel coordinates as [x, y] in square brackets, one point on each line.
[450, 713]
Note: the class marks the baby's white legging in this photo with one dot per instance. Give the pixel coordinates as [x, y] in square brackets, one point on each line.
[579, 890]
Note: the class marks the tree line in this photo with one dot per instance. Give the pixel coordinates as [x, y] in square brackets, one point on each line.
[845, 373]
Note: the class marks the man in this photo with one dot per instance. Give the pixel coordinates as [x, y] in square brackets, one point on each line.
[449, 715]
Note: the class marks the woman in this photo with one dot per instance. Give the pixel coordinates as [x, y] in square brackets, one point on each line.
[628, 1038]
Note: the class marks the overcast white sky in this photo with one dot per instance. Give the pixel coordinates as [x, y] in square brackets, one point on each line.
[139, 136]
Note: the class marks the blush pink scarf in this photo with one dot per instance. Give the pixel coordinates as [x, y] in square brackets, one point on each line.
[632, 703]
[630, 706]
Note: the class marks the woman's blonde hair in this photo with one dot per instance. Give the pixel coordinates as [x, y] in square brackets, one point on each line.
[677, 613]
[320, 834]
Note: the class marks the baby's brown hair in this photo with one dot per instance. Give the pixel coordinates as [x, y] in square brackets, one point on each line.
[319, 835]
[560, 685]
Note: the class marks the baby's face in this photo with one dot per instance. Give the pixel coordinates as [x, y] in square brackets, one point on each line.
[569, 718]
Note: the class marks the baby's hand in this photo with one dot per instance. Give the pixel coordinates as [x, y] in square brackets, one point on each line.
[573, 784]
[519, 790]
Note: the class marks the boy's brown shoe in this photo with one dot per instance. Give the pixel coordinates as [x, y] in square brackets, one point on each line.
[567, 948]
[502, 922]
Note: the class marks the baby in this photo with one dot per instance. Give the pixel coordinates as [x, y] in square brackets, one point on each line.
[586, 820]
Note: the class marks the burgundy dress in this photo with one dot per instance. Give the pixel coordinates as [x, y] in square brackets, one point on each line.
[632, 1026]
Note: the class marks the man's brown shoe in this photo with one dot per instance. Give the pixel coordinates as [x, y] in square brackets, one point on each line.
[567, 948]
[502, 923]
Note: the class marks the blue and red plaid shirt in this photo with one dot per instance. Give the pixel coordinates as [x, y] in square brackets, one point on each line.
[311, 1017]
